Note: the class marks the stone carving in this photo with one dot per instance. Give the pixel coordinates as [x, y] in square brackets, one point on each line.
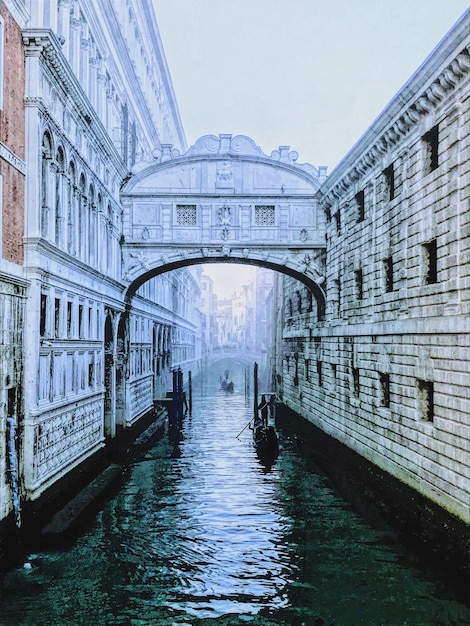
[225, 216]
[61, 439]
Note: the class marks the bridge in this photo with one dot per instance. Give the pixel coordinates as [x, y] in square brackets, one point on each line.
[224, 200]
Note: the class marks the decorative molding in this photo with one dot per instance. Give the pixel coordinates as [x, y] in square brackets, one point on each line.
[419, 107]
[12, 159]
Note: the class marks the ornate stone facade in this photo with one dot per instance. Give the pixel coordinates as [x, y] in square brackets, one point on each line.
[98, 99]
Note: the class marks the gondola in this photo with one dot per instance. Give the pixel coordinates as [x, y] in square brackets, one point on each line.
[266, 442]
[225, 383]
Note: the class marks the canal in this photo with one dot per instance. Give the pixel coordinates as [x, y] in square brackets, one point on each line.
[202, 533]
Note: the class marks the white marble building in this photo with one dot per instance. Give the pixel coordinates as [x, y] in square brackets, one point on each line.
[98, 99]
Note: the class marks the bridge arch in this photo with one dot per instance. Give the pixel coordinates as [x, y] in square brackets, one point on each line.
[224, 201]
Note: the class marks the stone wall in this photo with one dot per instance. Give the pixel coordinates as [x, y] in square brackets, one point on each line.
[387, 372]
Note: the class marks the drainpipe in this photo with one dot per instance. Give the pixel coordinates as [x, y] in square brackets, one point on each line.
[13, 469]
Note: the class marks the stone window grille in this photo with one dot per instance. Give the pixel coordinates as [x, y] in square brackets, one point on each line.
[430, 262]
[307, 370]
[389, 176]
[431, 143]
[426, 400]
[186, 214]
[384, 380]
[265, 215]
[360, 203]
[388, 271]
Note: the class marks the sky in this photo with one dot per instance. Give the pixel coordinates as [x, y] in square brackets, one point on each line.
[310, 74]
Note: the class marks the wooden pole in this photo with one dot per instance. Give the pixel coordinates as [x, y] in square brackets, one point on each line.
[190, 384]
[255, 391]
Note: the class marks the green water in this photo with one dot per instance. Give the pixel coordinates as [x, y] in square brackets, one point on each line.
[202, 533]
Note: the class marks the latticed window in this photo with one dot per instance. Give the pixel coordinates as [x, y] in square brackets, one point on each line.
[264, 215]
[186, 214]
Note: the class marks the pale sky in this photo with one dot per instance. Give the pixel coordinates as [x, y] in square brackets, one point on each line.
[311, 74]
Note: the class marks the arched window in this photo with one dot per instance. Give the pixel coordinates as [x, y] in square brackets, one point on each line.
[92, 226]
[46, 159]
[59, 197]
[71, 209]
[82, 217]
[109, 241]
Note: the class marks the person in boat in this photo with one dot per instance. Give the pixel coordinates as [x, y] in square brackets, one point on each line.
[263, 407]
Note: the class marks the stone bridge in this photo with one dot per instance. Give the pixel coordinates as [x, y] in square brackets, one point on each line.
[224, 200]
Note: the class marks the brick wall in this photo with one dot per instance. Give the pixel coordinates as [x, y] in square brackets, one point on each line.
[12, 138]
[389, 368]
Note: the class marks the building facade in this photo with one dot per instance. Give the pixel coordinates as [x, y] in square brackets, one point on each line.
[86, 360]
[387, 371]
[13, 286]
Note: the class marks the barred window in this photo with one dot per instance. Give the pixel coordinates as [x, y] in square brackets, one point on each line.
[264, 215]
[186, 214]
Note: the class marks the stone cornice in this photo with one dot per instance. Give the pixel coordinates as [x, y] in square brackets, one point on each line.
[18, 11]
[43, 43]
[442, 72]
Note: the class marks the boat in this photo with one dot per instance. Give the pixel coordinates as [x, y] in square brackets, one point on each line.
[225, 383]
[266, 442]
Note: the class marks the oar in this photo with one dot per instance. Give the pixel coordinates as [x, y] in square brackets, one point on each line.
[244, 428]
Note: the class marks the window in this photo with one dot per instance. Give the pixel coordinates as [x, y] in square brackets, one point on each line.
[426, 400]
[430, 262]
[69, 319]
[384, 380]
[389, 176]
[355, 380]
[80, 321]
[337, 219]
[338, 292]
[360, 203]
[186, 214]
[57, 317]
[359, 284]
[334, 372]
[431, 142]
[307, 370]
[388, 271]
[320, 373]
[264, 215]
[43, 316]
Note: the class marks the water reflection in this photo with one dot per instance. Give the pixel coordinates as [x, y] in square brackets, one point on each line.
[203, 533]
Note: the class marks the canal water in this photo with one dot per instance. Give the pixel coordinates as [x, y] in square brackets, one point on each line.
[203, 533]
